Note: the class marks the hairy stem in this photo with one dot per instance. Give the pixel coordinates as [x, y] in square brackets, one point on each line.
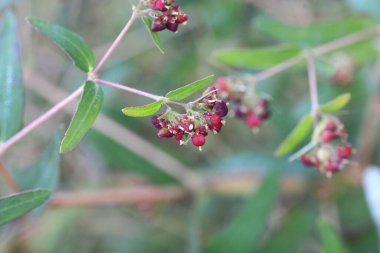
[8, 179]
[37, 122]
[313, 85]
[117, 41]
[128, 89]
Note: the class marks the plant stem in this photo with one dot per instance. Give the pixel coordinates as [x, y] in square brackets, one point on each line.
[128, 89]
[8, 179]
[34, 124]
[136, 195]
[318, 51]
[117, 41]
[313, 85]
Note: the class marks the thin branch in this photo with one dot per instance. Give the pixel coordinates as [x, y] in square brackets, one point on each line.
[128, 89]
[346, 41]
[121, 135]
[226, 183]
[135, 195]
[117, 41]
[37, 122]
[318, 51]
[8, 179]
[313, 84]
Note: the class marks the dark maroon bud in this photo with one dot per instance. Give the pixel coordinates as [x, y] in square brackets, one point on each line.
[158, 25]
[201, 130]
[165, 133]
[198, 140]
[307, 161]
[189, 127]
[155, 122]
[253, 121]
[221, 108]
[172, 26]
[328, 136]
[182, 18]
[265, 115]
[215, 120]
[159, 5]
[330, 126]
[217, 128]
[331, 166]
[344, 152]
[178, 136]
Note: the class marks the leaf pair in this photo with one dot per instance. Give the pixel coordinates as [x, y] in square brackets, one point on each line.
[83, 57]
[175, 95]
[305, 125]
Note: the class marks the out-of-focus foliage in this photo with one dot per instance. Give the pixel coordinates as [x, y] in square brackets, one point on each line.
[291, 224]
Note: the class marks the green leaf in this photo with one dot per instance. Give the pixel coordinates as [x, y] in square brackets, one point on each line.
[256, 58]
[330, 239]
[44, 172]
[154, 35]
[143, 111]
[190, 89]
[16, 205]
[336, 104]
[11, 85]
[88, 110]
[71, 43]
[245, 231]
[298, 134]
[292, 233]
[314, 34]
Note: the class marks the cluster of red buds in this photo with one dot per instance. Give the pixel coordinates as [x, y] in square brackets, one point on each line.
[166, 15]
[332, 152]
[194, 125]
[250, 108]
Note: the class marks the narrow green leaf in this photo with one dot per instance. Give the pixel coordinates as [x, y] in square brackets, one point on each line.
[143, 111]
[14, 206]
[190, 89]
[88, 110]
[44, 172]
[71, 43]
[330, 239]
[242, 235]
[298, 134]
[256, 58]
[336, 104]
[154, 35]
[11, 85]
[292, 233]
[314, 34]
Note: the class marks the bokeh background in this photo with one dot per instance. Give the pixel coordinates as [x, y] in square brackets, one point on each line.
[120, 153]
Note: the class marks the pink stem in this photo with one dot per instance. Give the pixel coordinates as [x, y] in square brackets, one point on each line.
[128, 89]
[312, 74]
[117, 41]
[34, 124]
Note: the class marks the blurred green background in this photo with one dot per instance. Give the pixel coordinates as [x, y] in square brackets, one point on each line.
[235, 160]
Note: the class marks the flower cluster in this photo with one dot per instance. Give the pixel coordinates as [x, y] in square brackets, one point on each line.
[331, 152]
[194, 125]
[251, 108]
[166, 15]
